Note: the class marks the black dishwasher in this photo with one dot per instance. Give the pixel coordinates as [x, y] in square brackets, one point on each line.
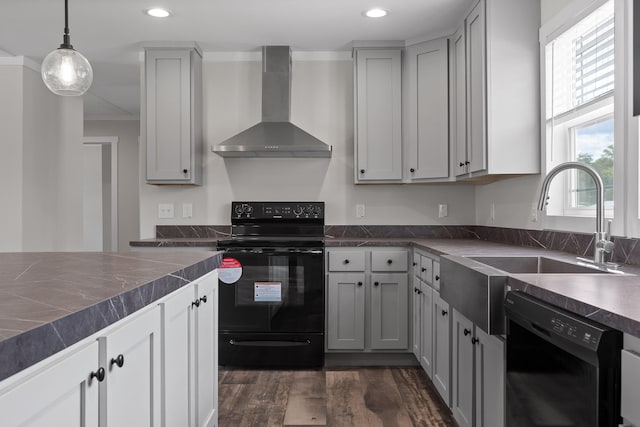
[562, 369]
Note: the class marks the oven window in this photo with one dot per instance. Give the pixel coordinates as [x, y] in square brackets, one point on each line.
[547, 386]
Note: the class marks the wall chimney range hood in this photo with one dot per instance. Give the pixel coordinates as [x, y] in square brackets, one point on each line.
[275, 135]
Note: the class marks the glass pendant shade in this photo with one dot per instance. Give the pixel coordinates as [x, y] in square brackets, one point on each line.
[66, 72]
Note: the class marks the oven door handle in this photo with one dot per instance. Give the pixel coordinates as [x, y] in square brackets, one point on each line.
[269, 251]
[270, 343]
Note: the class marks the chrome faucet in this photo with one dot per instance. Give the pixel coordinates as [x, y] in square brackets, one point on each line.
[602, 240]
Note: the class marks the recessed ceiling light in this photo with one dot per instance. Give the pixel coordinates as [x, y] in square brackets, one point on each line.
[158, 12]
[376, 12]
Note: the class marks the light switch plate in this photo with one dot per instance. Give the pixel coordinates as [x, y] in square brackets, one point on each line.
[442, 211]
[187, 210]
[359, 211]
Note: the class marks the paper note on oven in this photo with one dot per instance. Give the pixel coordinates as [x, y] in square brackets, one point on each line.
[267, 292]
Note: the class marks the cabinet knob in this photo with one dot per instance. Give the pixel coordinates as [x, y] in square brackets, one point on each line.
[376, 283]
[119, 360]
[99, 375]
[475, 340]
[466, 332]
[415, 290]
[346, 261]
[185, 170]
[461, 164]
[437, 277]
[196, 303]
[419, 292]
[412, 170]
[415, 263]
[361, 170]
[445, 312]
[423, 269]
[389, 261]
[466, 162]
[203, 299]
[359, 283]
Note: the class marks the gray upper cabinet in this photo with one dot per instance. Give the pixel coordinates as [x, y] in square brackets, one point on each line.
[172, 115]
[426, 143]
[378, 115]
[497, 133]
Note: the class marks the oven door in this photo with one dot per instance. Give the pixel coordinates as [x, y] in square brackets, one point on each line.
[279, 290]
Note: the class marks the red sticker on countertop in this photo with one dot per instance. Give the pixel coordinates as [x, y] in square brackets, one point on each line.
[229, 271]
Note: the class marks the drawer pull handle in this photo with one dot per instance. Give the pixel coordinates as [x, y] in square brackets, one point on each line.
[445, 312]
[466, 332]
[412, 170]
[359, 283]
[389, 261]
[346, 261]
[203, 299]
[185, 171]
[99, 375]
[475, 340]
[437, 277]
[376, 283]
[119, 360]
[361, 170]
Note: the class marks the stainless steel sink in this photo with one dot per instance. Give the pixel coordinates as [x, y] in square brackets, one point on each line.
[476, 286]
[538, 265]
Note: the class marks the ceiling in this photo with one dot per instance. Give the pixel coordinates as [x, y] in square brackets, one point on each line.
[109, 32]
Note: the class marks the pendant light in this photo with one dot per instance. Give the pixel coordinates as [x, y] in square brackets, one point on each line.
[65, 71]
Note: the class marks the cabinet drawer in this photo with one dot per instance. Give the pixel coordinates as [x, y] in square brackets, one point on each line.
[346, 261]
[630, 394]
[389, 261]
[426, 269]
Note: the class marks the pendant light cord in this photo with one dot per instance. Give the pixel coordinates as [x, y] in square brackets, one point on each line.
[66, 39]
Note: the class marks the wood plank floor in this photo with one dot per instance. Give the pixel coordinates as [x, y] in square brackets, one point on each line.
[336, 397]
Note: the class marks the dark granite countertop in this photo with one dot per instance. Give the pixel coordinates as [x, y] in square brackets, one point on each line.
[49, 301]
[177, 242]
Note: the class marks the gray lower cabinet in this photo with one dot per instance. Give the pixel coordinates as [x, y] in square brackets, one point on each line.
[346, 311]
[441, 359]
[389, 303]
[478, 375]
[417, 317]
[463, 370]
[426, 329]
[367, 299]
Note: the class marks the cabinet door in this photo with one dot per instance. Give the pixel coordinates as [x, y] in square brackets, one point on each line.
[426, 269]
[130, 394]
[490, 385]
[442, 347]
[417, 317]
[177, 342]
[428, 110]
[346, 304]
[378, 115]
[436, 276]
[476, 98]
[463, 366]
[206, 354]
[60, 394]
[389, 319]
[459, 96]
[426, 339]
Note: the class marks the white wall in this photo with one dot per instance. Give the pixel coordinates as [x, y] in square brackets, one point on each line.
[322, 104]
[11, 158]
[127, 132]
[550, 8]
[41, 192]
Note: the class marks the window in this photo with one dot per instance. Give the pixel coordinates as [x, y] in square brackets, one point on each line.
[579, 68]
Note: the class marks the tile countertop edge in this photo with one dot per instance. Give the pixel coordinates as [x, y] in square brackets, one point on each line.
[30, 347]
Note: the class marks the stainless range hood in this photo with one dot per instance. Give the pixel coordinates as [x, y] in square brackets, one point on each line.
[275, 135]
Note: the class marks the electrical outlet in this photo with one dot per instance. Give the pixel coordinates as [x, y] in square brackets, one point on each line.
[442, 211]
[359, 211]
[165, 210]
[492, 212]
[187, 210]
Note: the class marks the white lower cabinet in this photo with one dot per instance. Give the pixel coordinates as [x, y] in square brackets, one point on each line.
[478, 375]
[189, 362]
[60, 392]
[367, 299]
[157, 367]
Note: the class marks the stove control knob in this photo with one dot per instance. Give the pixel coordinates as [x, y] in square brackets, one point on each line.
[247, 208]
[239, 209]
[298, 210]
